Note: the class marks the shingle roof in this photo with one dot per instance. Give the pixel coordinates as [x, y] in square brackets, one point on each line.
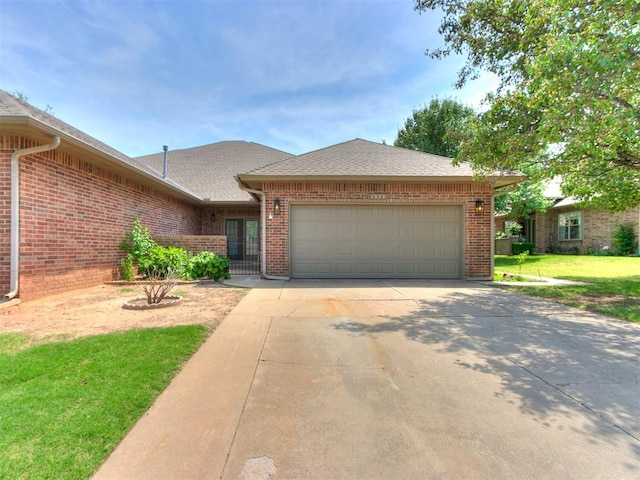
[12, 107]
[370, 160]
[205, 172]
[209, 170]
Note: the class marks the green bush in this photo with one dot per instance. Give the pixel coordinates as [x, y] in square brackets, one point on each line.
[207, 264]
[160, 261]
[127, 267]
[139, 241]
[624, 239]
[518, 247]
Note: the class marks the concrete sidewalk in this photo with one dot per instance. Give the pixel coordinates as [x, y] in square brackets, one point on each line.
[188, 431]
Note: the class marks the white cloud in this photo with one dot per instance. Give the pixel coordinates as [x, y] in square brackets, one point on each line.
[296, 75]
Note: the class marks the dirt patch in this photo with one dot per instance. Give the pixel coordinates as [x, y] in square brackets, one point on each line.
[610, 300]
[98, 310]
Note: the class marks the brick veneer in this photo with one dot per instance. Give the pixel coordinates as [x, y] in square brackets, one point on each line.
[73, 215]
[223, 213]
[477, 226]
[597, 228]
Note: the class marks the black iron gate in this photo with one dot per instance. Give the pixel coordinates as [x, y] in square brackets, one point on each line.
[243, 246]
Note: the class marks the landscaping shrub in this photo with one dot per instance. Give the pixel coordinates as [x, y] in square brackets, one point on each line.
[139, 241]
[137, 245]
[161, 261]
[555, 249]
[518, 247]
[158, 262]
[127, 267]
[624, 239]
[207, 264]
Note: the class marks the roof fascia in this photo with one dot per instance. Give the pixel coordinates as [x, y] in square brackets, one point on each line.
[254, 181]
[36, 130]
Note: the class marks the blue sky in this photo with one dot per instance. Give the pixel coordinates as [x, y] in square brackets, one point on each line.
[295, 75]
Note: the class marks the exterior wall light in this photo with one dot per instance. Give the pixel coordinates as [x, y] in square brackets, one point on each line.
[276, 206]
[213, 217]
[479, 206]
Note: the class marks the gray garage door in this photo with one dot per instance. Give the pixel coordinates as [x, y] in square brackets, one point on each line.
[367, 241]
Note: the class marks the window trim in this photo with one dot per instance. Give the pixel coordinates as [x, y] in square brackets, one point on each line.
[570, 215]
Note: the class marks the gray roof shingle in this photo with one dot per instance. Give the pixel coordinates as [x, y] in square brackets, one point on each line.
[370, 160]
[364, 158]
[206, 172]
[210, 170]
[12, 107]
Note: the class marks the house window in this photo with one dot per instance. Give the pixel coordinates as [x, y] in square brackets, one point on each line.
[570, 226]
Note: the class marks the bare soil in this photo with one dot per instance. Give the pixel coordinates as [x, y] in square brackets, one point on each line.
[98, 310]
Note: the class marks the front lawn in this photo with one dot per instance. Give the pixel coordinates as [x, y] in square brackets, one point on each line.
[614, 282]
[64, 406]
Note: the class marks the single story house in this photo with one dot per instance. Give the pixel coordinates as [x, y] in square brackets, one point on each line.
[353, 210]
[567, 227]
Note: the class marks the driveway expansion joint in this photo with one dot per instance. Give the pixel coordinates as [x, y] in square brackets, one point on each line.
[564, 393]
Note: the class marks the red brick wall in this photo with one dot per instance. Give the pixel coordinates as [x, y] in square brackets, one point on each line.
[222, 213]
[73, 215]
[477, 241]
[597, 228]
[196, 243]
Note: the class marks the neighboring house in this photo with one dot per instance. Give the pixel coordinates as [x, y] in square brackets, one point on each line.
[566, 227]
[354, 210]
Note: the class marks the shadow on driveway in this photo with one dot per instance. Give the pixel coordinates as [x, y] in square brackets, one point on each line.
[589, 359]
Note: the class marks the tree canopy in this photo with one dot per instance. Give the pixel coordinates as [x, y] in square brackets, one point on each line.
[437, 128]
[569, 97]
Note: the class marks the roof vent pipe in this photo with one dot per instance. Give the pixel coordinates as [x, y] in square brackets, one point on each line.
[164, 168]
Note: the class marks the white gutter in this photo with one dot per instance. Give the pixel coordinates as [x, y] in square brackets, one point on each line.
[15, 210]
[263, 233]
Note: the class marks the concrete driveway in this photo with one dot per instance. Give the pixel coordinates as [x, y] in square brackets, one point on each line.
[397, 380]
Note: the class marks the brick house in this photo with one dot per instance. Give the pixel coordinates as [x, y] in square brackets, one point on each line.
[365, 210]
[357, 209]
[566, 227]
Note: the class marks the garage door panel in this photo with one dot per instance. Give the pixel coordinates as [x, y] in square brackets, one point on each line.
[451, 251]
[376, 241]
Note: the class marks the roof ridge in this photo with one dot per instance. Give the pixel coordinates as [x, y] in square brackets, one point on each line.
[210, 145]
[327, 147]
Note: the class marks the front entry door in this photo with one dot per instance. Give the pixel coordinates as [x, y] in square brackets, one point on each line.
[242, 238]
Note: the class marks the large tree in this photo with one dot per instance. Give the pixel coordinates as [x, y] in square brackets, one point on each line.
[441, 127]
[437, 128]
[569, 97]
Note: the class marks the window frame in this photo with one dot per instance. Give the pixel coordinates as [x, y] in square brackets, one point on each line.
[567, 226]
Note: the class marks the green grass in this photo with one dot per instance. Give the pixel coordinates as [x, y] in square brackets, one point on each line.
[64, 406]
[614, 282]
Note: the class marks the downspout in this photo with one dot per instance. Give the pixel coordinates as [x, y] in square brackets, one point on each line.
[15, 210]
[493, 223]
[263, 228]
